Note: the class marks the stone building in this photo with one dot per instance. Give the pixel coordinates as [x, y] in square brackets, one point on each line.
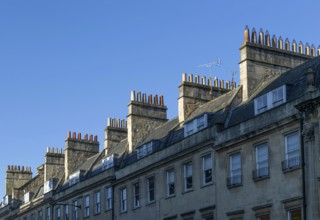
[233, 152]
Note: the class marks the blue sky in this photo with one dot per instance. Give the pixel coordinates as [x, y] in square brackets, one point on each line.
[69, 65]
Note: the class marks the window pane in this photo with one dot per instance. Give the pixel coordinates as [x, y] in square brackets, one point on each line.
[292, 145]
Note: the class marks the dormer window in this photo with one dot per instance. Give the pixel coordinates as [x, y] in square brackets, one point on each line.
[195, 125]
[108, 162]
[270, 100]
[145, 150]
[74, 178]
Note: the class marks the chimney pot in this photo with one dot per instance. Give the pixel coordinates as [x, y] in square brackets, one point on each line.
[79, 136]
[91, 137]
[274, 41]
[261, 37]
[184, 77]
[69, 134]
[156, 99]
[86, 137]
[133, 95]
[150, 99]
[254, 36]
[267, 39]
[96, 138]
[74, 135]
[246, 34]
[280, 43]
[191, 78]
[204, 80]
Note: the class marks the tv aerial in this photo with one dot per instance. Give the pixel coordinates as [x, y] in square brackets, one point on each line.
[217, 63]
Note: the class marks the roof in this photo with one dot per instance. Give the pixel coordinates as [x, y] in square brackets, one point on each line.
[294, 79]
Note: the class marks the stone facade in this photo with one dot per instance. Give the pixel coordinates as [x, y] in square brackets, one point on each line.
[247, 152]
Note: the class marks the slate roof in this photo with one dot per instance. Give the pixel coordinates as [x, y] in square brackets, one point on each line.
[295, 79]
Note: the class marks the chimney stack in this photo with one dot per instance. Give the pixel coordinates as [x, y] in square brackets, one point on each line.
[16, 176]
[54, 163]
[115, 131]
[78, 150]
[142, 117]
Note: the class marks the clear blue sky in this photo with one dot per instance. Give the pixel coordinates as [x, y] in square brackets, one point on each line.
[69, 65]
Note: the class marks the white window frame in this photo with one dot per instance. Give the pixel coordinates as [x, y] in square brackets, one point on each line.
[262, 163]
[109, 198]
[48, 213]
[58, 210]
[145, 150]
[40, 214]
[86, 210]
[293, 153]
[136, 195]
[270, 100]
[170, 182]
[75, 215]
[151, 189]
[187, 173]
[195, 125]
[97, 207]
[66, 212]
[235, 171]
[123, 199]
[207, 168]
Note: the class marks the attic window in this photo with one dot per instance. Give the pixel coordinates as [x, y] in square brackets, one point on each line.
[195, 125]
[48, 186]
[108, 162]
[145, 150]
[74, 178]
[270, 100]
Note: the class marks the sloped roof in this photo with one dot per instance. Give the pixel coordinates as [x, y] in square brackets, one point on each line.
[215, 105]
[295, 79]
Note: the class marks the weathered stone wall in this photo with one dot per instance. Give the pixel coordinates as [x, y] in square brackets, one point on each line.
[115, 132]
[259, 63]
[54, 165]
[16, 177]
[192, 93]
[142, 117]
[78, 150]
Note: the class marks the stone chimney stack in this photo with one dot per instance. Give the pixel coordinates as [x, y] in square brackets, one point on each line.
[115, 131]
[78, 150]
[261, 60]
[145, 113]
[54, 164]
[16, 176]
[194, 91]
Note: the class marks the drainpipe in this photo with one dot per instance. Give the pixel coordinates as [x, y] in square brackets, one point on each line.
[303, 172]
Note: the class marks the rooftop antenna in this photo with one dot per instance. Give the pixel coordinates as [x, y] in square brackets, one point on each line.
[217, 63]
[233, 72]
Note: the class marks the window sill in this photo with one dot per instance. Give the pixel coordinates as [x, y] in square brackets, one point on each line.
[290, 169]
[234, 185]
[151, 202]
[123, 212]
[207, 184]
[108, 210]
[98, 213]
[86, 217]
[137, 207]
[170, 196]
[187, 191]
[260, 178]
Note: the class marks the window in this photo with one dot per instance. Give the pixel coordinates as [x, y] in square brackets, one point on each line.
[206, 169]
[66, 212]
[32, 217]
[86, 206]
[75, 210]
[136, 195]
[58, 213]
[200, 123]
[97, 207]
[40, 214]
[262, 104]
[108, 198]
[195, 125]
[262, 161]
[235, 170]
[294, 214]
[150, 189]
[108, 162]
[170, 183]
[145, 150]
[187, 176]
[123, 196]
[270, 100]
[292, 143]
[48, 213]
[277, 96]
